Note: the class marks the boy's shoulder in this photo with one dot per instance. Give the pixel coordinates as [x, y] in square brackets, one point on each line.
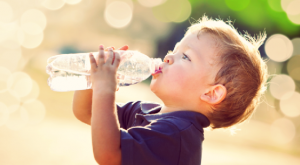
[181, 119]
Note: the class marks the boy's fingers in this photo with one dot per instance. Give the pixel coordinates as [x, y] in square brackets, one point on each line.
[110, 57]
[125, 47]
[101, 56]
[117, 60]
[92, 62]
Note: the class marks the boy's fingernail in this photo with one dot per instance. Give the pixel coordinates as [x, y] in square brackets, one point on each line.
[110, 49]
[101, 47]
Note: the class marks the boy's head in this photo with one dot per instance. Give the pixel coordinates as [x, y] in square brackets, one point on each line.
[215, 71]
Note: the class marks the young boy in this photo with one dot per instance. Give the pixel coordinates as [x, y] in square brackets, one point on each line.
[214, 77]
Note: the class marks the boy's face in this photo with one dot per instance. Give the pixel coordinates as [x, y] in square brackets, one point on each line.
[188, 70]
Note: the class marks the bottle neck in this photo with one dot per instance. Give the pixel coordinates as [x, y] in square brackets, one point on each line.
[155, 62]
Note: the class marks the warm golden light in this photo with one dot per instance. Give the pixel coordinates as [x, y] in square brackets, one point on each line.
[35, 110]
[6, 12]
[296, 45]
[173, 11]
[18, 117]
[290, 105]
[279, 48]
[3, 113]
[293, 8]
[30, 41]
[53, 4]
[118, 19]
[282, 130]
[293, 67]
[9, 58]
[34, 93]
[19, 84]
[8, 99]
[34, 16]
[281, 85]
[4, 75]
[151, 3]
[72, 2]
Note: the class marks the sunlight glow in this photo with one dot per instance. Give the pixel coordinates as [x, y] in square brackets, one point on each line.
[4, 75]
[30, 41]
[72, 2]
[173, 11]
[19, 84]
[280, 85]
[118, 19]
[6, 12]
[283, 131]
[34, 93]
[279, 48]
[151, 3]
[9, 58]
[36, 17]
[53, 4]
[18, 117]
[35, 110]
[290, 105]
[293, 67]
[3, 113]
[296, 45]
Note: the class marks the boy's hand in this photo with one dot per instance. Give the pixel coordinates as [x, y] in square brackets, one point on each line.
[103, 74]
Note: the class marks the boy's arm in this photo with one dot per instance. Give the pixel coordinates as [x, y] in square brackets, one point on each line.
[104, 121]
[82, 101]
[82, 105]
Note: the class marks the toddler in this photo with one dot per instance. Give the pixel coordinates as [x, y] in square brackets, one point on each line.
[213, 78]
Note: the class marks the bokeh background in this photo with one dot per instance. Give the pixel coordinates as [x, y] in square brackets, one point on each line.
[37, 126]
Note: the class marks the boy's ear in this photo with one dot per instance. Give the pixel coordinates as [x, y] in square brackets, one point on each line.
[214, 94]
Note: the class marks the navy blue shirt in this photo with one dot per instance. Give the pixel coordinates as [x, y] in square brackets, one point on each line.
[148, 138]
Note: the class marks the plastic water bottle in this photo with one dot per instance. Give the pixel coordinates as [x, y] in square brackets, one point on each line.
[69, 72]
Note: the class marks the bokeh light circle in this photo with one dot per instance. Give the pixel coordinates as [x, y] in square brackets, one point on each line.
[237, 5]
[34, 16]
[31, 28]
[34, 93]
[285, 4]
[4, 75]
[30, 41]
[4, 114]
[35, 110]
[72, 2]
[53, 4]
[9, 99]
[173, 11]
[118, 19]
[290, 105]
[19, 84]
[275, 5]
[293, 67]
[293, 8]
[18, 117]
[151, 3]
[294, 19]
[279, 48]
[296, 46]
[282, 131]
[6, 12]
[281, 85]
[9, 58]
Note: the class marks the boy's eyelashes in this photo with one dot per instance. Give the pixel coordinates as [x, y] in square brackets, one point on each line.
[184, 56]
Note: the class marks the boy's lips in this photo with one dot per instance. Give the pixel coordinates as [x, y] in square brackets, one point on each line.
[157, 71]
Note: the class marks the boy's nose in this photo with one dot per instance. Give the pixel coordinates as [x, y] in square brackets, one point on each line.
[168, 59]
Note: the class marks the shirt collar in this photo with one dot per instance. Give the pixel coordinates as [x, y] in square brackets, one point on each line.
[150, 111]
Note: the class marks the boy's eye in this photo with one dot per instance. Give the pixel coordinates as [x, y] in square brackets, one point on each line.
[185, 57]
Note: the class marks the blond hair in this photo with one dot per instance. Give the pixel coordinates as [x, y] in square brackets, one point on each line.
[243, 72]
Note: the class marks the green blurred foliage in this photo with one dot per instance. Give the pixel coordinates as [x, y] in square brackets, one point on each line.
[254, 15]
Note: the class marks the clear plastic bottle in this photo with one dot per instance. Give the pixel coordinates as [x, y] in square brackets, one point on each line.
[70, 72]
